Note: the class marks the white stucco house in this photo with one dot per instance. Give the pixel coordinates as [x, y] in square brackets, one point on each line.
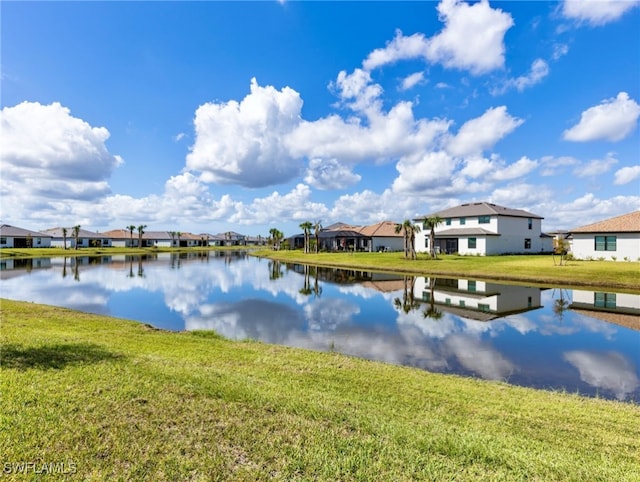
[15, 237]
[615, 239]
[382, 236]
[86, 239]
[484, 228]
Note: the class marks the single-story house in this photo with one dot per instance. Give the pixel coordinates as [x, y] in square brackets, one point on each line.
[484, 228]
[382, 236]
[86, 239]
[616, 238]
[14, 237]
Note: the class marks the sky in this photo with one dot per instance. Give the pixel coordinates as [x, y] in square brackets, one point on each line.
[208, 117]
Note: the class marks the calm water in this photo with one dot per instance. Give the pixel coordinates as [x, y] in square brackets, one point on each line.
[573, 340]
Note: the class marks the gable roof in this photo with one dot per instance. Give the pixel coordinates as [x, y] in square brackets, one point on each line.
[82, 233]
[481, 209]
[626, 223]
[12, 231]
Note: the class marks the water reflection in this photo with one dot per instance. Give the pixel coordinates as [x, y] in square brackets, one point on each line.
[558, 338]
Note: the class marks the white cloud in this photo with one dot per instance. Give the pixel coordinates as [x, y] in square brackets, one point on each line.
[523, 196]
[483, 132]
[627, 174]
[521, 167]
[473, 37]
[421, 174]
[539, 70]
[606, 370]
[556, 165]
[51, 161]
[412, 80]
[242, 143]
[612, 120]
[597, 12]
[329, 174]
[595, 167]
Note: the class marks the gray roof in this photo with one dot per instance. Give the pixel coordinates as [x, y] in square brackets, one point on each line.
[7, 230]
[481, 209]
[83, 233]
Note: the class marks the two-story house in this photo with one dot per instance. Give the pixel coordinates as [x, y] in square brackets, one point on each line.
[484, 228]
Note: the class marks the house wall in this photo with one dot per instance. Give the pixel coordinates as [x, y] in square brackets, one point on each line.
[513, 232]
[623, 300]
[392, 243]
[38, 242]
[627, 245]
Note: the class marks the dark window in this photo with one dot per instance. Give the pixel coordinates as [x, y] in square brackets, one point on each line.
[484, 308]
[463, 220]
[3, 240]
[471, 243]
[426, 241]
[530, 221]
[527, 243]
[484, 219]
[462, 303]
[447, 221]
[604, 300]
[471, 285]
[605, 243]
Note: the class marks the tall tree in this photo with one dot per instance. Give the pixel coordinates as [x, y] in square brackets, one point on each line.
[140, 229]
[431, 223]
[131, 229]
[306, 228]
[64, 238]
[317, 227]
[412, 230]
[76, 234]
[276, 237]
[400, 229]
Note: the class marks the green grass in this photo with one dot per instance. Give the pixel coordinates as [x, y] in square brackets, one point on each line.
[121, 400]
[537, 269]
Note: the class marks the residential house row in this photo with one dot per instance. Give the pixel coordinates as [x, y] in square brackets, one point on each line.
[479, 228]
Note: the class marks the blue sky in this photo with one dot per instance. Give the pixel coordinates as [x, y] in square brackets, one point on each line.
[217, 116]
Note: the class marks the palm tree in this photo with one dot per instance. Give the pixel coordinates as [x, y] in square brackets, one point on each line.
[408, 230]
[432, 312]
[76, 233]
[306, 228]
[400, 229]
[276, 237]
[140, 233]
[131, 228]
[431, 223]
[317, 227]
[64, 238]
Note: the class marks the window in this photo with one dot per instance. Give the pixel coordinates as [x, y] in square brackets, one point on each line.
[3, 240]
[447, 301]
[447, 221]
[530, 221]
[604, 300]
[484, 308]
[529, 302]
[463, 220]
[471, 243]
[527, 243]
[426, 242]
[605, 243]
[38, 240]
[462, 303]
[471, 285]
[484, 219]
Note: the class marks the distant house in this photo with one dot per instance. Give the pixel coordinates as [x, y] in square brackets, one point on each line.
[14, 237]
[484, 228]
[86, 239]
[615, 238]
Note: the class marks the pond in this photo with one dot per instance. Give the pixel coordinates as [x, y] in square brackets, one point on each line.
[579, 341]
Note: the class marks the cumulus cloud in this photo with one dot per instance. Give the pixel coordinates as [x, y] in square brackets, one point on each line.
[242, 142]
[597, 12]
[552, 165]
[472, 39]
[605, 370]
[483, 132]
[627, 174]
[612, 120]
[329, 174]
[51, 162]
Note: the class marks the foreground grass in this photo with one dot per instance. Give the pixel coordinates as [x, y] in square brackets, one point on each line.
[538, 269]
[121, 400]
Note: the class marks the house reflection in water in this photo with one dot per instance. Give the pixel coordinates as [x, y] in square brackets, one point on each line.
[476, 300]
[619, 308]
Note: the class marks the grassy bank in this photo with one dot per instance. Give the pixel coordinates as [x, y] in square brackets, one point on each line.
[117, 399]
[537, 269]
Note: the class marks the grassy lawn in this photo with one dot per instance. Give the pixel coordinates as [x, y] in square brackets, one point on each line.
[538, 269]
[119, 400]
